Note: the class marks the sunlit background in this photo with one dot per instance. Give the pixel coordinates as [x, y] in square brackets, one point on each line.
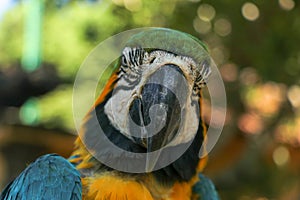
[256, 45]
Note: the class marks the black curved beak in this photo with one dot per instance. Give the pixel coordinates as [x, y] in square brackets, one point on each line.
[157, 113]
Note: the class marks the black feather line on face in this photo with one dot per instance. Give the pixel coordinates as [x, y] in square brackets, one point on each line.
[114, 135]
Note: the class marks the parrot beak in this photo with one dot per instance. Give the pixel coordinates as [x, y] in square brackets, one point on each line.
[157, 112]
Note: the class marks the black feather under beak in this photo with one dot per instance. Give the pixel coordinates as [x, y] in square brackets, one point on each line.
[157, 113]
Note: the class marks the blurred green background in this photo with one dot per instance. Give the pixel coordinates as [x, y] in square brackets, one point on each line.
[255, 44]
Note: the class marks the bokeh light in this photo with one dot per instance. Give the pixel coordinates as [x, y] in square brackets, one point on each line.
[286, 4]
[249, 76]
[266, 98]
[294, 95]
[206, 12]
[251, 123]
[250, 11]
[288, 132]
[133, 5]
[202, 27]
[281, 156]
[217, 53]
[222, 27]
[29, 112]
[229, 72]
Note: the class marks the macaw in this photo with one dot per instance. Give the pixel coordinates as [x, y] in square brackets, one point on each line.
[133, 98]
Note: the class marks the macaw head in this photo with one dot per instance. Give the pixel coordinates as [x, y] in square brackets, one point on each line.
[152, 101]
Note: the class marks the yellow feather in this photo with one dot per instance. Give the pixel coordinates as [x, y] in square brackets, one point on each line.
[112, 187]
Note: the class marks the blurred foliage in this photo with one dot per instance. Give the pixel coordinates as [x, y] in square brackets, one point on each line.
[255, 45]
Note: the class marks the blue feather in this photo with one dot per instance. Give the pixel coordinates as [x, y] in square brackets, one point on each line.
[205, 189]
[49, 177]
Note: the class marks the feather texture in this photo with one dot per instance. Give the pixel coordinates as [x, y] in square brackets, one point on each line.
[204, 189]
[49, 177]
